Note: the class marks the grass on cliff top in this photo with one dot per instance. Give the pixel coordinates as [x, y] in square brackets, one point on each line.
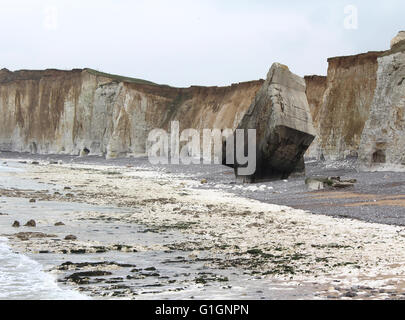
[119, 78]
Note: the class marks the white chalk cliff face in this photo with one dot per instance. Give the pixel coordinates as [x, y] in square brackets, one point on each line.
[349, 107]
[69, 112]
[383, 140]
[340, 104]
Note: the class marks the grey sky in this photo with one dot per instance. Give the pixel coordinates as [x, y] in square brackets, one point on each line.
[185, 42]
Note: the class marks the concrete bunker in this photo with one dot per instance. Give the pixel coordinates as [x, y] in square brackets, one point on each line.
[284, 130]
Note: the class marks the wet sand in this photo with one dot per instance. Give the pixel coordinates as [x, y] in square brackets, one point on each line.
[147, 233]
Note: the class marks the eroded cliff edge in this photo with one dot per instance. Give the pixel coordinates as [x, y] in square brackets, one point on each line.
[66, 112]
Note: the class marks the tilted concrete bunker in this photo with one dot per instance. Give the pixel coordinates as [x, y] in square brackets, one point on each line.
[284, 130]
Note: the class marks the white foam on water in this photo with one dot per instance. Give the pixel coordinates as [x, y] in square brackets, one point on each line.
[22, 278]
[10, 169]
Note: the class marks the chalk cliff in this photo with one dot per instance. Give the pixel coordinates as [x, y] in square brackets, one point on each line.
[315, 90]
[357, 109]
[383, 140]
[66, 112]
[340, 114]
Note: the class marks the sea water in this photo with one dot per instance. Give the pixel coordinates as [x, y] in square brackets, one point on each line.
[22, 278]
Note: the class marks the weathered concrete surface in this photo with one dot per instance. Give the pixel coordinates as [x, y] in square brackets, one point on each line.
[68, 112]
[284, 131]
[383, 144]
[345, 105]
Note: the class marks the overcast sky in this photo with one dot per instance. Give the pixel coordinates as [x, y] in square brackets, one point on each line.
[192, 42]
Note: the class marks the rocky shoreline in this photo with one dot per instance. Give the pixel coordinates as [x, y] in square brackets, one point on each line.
[141, 233]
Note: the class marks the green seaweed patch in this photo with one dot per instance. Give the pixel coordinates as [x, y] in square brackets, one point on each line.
[299, 244]
[209, 277]
[178, 226]
[346, 264]
[112, 173]
[281, 270]
[331, 246]
[255, 251]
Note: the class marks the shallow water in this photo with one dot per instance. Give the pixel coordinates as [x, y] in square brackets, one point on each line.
[177, 271]
[23, 278]
[11, 181]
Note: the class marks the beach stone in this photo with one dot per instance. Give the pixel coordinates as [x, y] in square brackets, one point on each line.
[150, 269]
[31, 224]
[70, 237]
[281, 117]
[337, 182]
[32, 235]
[87, 274]
[16, 224]
[350, 294]
[78, 251]
[320, 183]
[59, 224]
[314, 184]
